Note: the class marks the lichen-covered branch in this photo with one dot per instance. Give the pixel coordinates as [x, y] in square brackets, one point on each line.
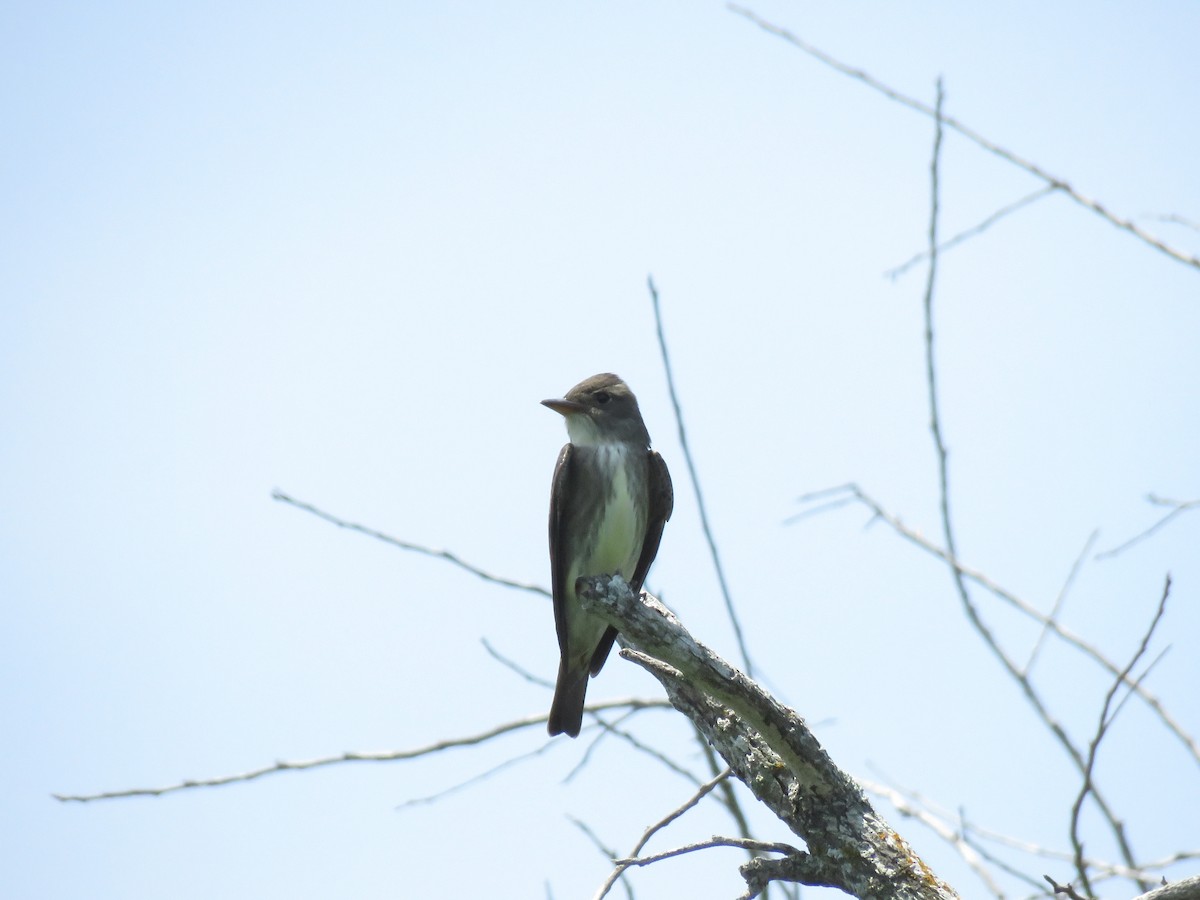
[1184, 889]
[771, 750]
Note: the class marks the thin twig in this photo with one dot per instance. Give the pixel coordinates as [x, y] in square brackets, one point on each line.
[687, 455]
[631, 860]
[910, 805]
[935, 425]
[1066, 890]
[1105, 870]
[979, 578]
[369, 756]
[715, 841]
[613, 729]
[996, 860]
[969, 134]
[1052, 616]
[1101, 729]
[975, 229]
[598, 735]
[406, 545]
[1178, 507]
[609, 852]
[1174, 219]
[474, 779]
[652, 752]
[703, 791]
[1159, 864]
[1139, 679]
[848, 492]
[514, 666]
[606, 729]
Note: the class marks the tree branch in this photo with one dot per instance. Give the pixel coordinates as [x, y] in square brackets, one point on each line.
[907, 805]
[973, 136]
[1184, 889]
[377, 756]
[405, 545]
[633, 859]
[695, 479]
[771, 750]
[856, 493]
[973, 230]
[1088, 786]
[1178, 507]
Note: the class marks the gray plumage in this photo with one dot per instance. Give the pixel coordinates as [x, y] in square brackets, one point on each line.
[610, 498]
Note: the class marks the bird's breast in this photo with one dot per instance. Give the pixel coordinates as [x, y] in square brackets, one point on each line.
[622, 513]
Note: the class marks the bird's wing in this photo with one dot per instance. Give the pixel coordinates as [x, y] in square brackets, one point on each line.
[558, 542]
[661, 503]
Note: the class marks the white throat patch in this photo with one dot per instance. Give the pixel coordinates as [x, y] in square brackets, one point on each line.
[583, 431]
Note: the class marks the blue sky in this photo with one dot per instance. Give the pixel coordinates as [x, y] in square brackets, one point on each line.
[344, 252]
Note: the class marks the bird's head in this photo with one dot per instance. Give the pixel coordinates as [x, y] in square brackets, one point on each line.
[599, 410]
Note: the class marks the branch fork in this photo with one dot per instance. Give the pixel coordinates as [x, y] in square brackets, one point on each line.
[771, 750]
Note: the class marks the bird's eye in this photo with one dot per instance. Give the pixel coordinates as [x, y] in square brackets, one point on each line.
[602, 397]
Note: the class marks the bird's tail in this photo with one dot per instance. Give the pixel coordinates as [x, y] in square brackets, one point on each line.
[566, 712]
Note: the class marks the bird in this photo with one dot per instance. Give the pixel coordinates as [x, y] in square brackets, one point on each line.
[610, 498]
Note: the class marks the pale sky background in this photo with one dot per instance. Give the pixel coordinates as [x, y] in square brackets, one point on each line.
[343, 251]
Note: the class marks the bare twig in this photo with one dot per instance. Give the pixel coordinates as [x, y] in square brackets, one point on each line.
[975, 229]
[909, 802]
[377, 756]
[474, 779]
[971, 135]
[849, 494]
[609, 852]
[514, 666]
[909, 805]
[935, 425]
[703, 791]
[935, 422]
[631, 859]
[612, 729]
[1181, 856]
[1134, 682]
[687, 455]
[1174, 219]
[979, 578]
[994, 859]
[597, 737]
[405, 545]
[642, 747]
[1101, 729]
[714, 841]
[1052, 616]
[1065, 889]
[974, 834]
[1178, 507]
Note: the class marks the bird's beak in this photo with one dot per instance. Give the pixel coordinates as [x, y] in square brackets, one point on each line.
[564, 407]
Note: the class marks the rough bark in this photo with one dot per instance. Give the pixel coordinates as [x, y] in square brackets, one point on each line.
[1184, 889]
[773, 753]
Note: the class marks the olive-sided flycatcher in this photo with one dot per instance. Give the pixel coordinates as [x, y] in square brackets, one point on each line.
[610, 498]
